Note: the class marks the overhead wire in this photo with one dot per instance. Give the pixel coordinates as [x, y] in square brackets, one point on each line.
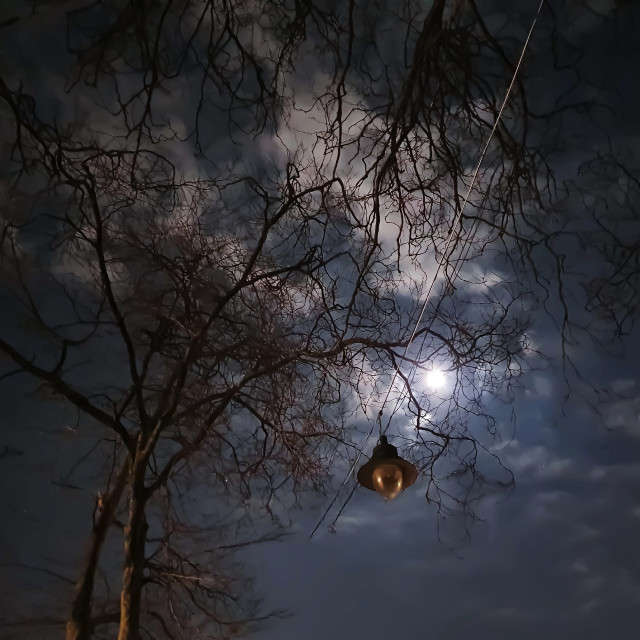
[444, 257]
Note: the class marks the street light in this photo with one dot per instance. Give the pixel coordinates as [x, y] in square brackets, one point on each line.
[386, 472]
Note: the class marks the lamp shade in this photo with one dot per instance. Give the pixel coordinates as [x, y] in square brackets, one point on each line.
[386, 472]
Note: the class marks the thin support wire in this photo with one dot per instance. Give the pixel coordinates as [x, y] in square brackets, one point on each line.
[444, 257]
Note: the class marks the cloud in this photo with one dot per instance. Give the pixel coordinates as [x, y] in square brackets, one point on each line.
[536, 460]
[624, 414]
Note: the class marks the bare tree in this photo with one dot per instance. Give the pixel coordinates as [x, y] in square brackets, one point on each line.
[221, 261]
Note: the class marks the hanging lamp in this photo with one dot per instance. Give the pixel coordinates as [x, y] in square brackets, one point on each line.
[386, 472]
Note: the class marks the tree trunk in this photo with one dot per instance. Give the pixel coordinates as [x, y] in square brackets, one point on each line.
[79, 625]
[134, 556]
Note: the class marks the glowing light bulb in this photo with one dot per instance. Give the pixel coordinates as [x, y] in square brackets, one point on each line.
[387, 480]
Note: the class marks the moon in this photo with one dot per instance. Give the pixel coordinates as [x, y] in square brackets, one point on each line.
[435, 379]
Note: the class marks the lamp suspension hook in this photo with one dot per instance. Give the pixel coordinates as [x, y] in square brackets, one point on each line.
[380, 422]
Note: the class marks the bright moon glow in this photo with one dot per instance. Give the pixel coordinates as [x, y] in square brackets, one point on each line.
[435, 379]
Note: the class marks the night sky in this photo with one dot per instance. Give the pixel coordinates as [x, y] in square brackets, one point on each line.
[556, 556]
